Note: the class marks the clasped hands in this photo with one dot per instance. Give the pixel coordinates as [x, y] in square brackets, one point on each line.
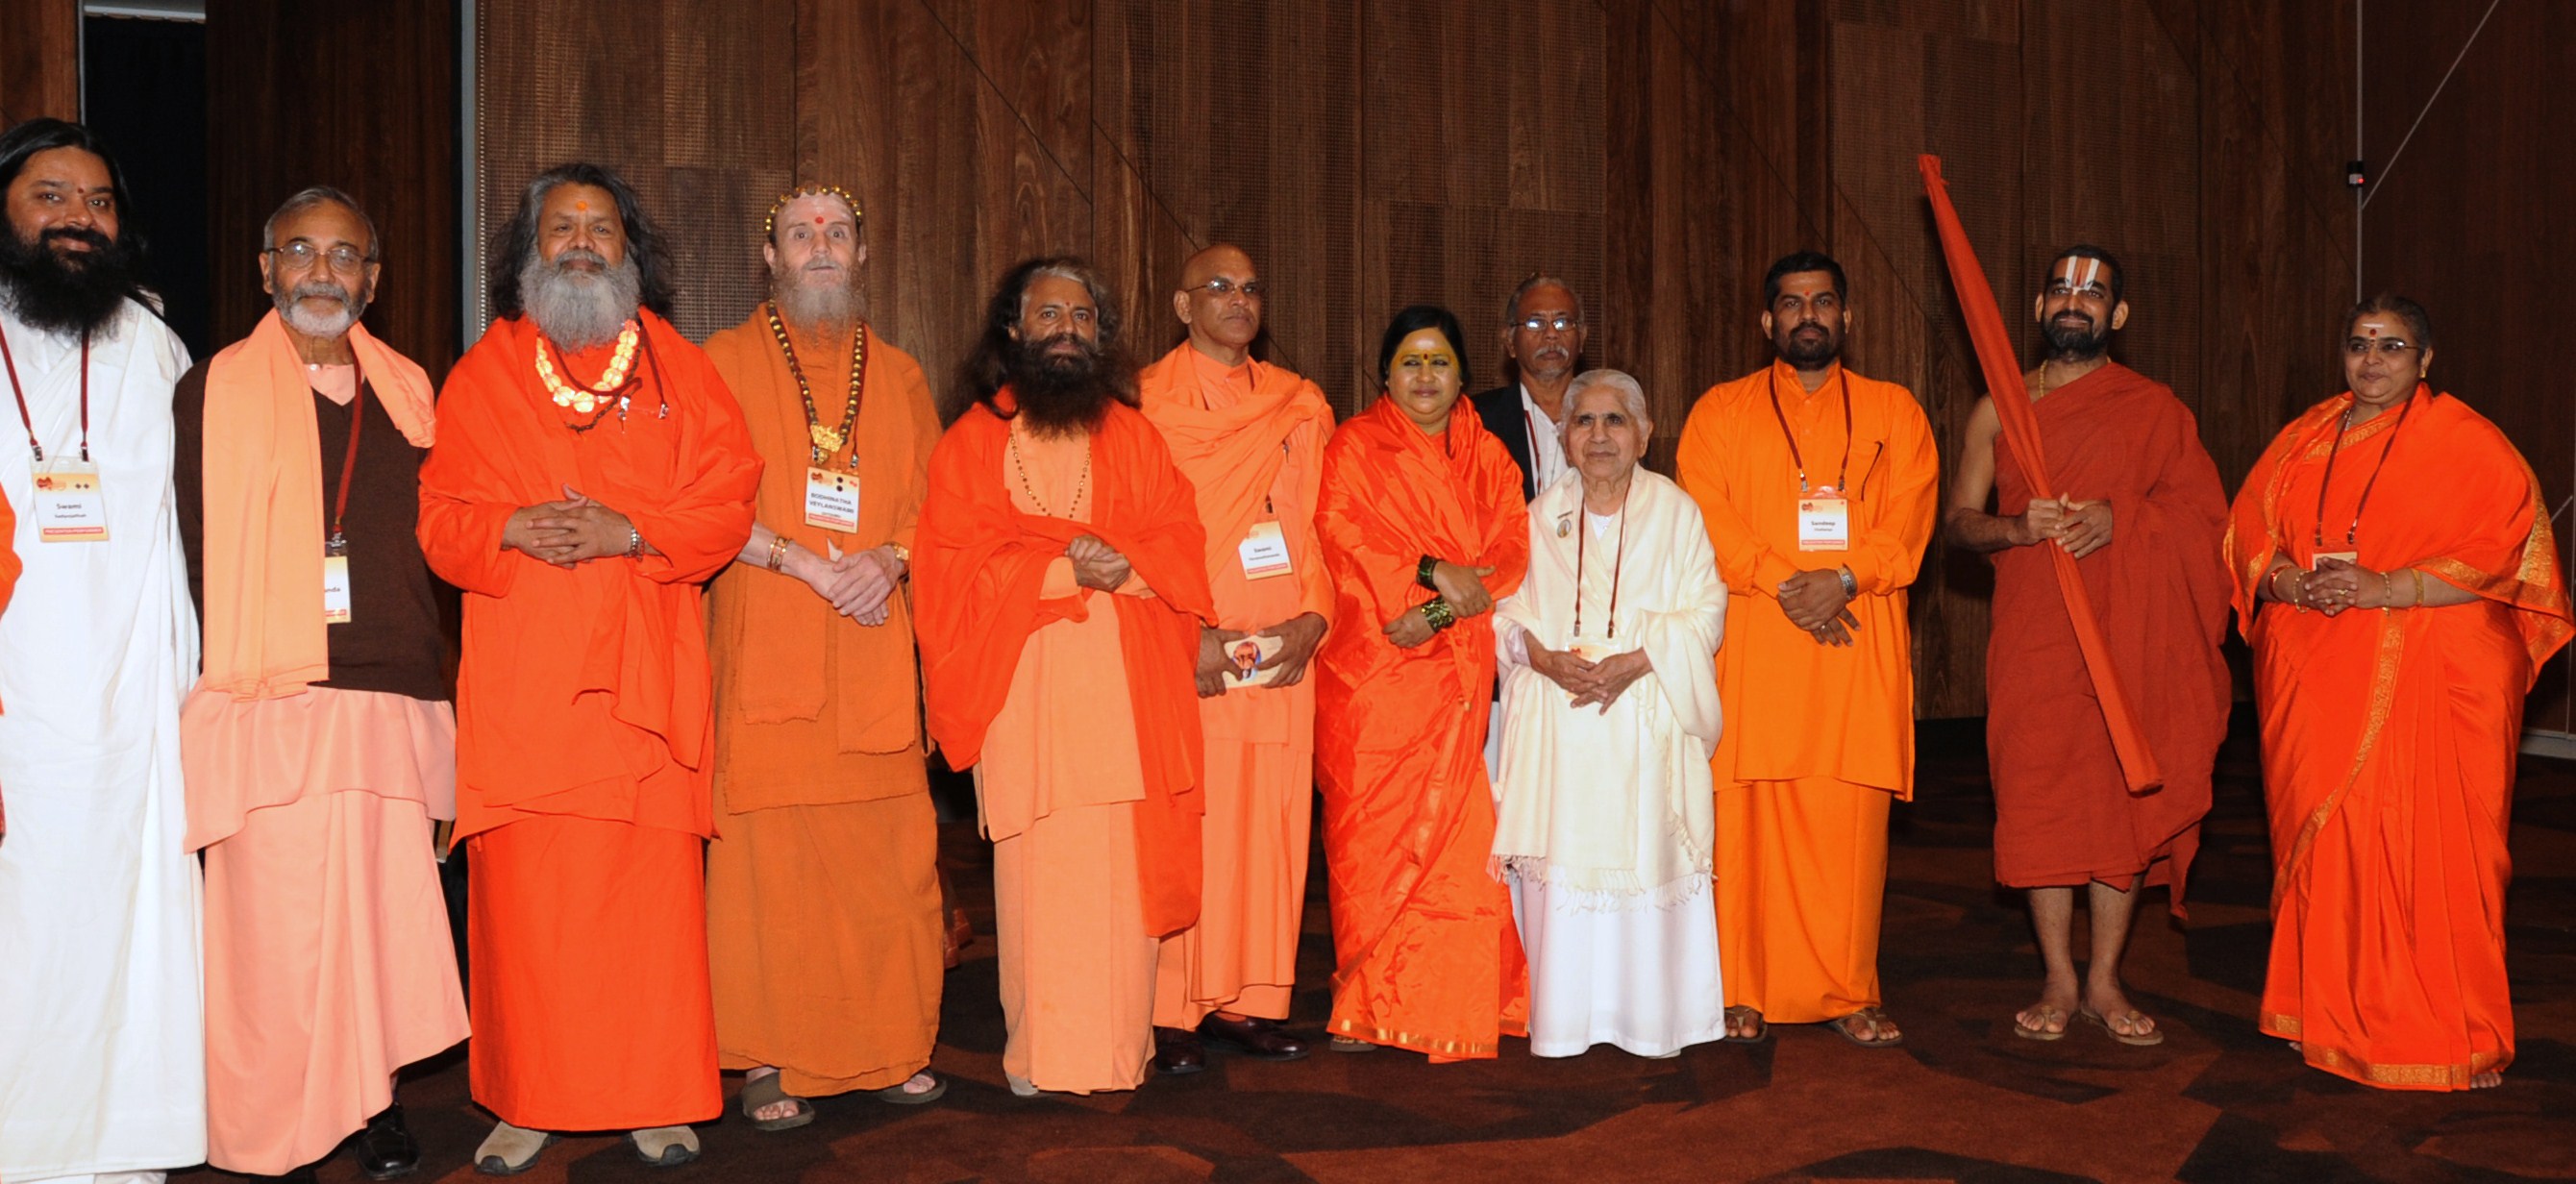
[1815, 602]
[1590, 682]
[1299, 636]
[1461, 587]
[568, 532]
[2079, 526]
[2336, 585]
[859, 584]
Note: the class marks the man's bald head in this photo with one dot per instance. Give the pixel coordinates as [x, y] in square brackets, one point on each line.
[1220, 300]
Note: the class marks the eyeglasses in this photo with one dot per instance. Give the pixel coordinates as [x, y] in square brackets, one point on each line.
[2390, 346]
[1222, 287]
[300, 255]
[1561, 324]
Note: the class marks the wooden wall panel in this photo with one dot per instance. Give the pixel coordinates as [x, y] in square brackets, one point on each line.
[39, 60]
[358, 97]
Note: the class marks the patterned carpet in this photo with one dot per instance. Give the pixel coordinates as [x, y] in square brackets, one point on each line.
[1961, 1100]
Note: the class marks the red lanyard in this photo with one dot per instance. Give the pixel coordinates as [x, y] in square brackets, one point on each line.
[1839, 477]
[1582, 535]
[11, 361]
[349, 464]
[2354, 531]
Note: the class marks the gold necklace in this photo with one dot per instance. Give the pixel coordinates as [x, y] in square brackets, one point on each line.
[582, 400]
[1082, 484]
[827, 440]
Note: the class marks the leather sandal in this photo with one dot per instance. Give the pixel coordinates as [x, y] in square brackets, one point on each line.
[762, 1092]
[897, 1095]
[664, 1146]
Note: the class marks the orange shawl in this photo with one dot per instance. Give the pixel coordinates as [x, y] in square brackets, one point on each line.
[977, 571]
[1233, 456]
[585, 690]
[2021, 436]
[265, 517]
[2389, 737]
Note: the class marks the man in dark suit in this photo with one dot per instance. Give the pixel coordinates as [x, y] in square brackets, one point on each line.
[1543, 335]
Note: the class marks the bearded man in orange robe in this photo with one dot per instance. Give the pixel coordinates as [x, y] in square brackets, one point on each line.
[591, 472]
[823, 917]
[1249, 436]
[1817, 486]
[2142, 511]
[1063, 583]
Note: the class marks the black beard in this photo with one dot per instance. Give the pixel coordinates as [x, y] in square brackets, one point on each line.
[2069, 344]
[1061, 395]
[1807, 356]
[58, 297]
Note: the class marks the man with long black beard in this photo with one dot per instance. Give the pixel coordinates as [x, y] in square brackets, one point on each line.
[591, 473]
[1063, 582]
[2141, 509]
[102, 1057]
[321, 740]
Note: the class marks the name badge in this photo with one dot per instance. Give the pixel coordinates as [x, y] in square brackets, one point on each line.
[335, 589]
[832, 500]
[70, 505]
[1264, 551]
[1824, 522]
[2352, 557]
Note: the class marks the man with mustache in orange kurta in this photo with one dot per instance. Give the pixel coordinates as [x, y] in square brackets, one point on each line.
[1062, 581]
[591, 472]
[822, 884]
[1817, 485]
[1250, 438]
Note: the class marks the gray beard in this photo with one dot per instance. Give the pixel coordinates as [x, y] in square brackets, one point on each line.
[810, 306]
[290, 308]
[578, 310]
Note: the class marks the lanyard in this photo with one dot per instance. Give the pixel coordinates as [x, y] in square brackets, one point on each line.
[2353, 531]
[1795, 457]
[349, 463]
[11, 361]
[1583, 535]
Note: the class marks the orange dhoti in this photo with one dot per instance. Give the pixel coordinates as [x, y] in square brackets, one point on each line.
[2389, 737]
[1250, 440]
[1427, 955]
[1798, 901]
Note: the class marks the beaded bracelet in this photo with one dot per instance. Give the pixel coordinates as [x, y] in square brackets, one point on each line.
[1439, 614]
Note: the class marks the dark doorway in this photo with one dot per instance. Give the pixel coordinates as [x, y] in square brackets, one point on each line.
[144, 92]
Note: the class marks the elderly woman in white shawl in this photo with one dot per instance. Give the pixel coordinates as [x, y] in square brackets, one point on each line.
[1610, 713]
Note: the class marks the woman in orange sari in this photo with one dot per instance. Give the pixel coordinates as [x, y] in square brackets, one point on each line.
[2410, 591]
[1422, 527]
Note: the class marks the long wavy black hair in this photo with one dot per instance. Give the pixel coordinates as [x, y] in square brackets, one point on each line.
[987, 368]
[44, 134]
[516, 242]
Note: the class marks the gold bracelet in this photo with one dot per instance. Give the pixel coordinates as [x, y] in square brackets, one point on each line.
[2418, 573]
[2387, 592]
[2277, 594]
[778, 545]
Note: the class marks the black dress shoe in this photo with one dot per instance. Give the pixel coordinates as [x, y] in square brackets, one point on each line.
[1177, 1051]
[386, 1149]
[1254, 1037]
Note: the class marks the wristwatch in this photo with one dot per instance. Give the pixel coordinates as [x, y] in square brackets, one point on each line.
[1851, 587]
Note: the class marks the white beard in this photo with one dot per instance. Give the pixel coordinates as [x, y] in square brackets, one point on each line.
[575, 309]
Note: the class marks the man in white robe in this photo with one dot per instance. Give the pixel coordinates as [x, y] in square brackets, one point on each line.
[102, 1057]
[1610, 713]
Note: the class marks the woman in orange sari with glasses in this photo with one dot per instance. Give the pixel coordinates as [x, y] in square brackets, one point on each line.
[2408, 592]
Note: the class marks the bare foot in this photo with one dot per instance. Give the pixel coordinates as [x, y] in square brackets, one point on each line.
[2487, 1080]
[2125, 1021]
[2046, 1019]
[775, 1110]
[1869, 1027]
[920, 1083]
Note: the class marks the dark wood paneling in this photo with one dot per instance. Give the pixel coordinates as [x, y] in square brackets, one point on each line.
[357, 96]
[39, 60]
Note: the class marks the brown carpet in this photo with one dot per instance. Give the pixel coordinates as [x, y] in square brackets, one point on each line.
[1962, 1100]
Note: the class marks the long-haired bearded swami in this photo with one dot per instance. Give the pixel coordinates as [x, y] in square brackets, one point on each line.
[1063, 582]
[591, 473]
[822, 888]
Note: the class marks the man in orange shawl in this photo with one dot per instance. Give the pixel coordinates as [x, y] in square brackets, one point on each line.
[321, 741]
[1818, 488]
[1423, 527]
[1249, 436]
[1061, 572]
[2410, 593]
[591, 473]
[2142, 510]
[823, 916]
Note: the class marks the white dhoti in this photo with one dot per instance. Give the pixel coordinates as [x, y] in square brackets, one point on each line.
[1606, 818]
[102, 1052]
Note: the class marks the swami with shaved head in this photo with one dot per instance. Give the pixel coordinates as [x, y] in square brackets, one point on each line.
[1250, 437]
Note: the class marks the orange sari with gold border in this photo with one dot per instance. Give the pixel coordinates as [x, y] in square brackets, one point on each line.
[1427, 956]
[2389, 736]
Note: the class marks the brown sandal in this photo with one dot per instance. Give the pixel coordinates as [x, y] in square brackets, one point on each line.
[760, 1093]
[1877, 1018]
[1760, 1029]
